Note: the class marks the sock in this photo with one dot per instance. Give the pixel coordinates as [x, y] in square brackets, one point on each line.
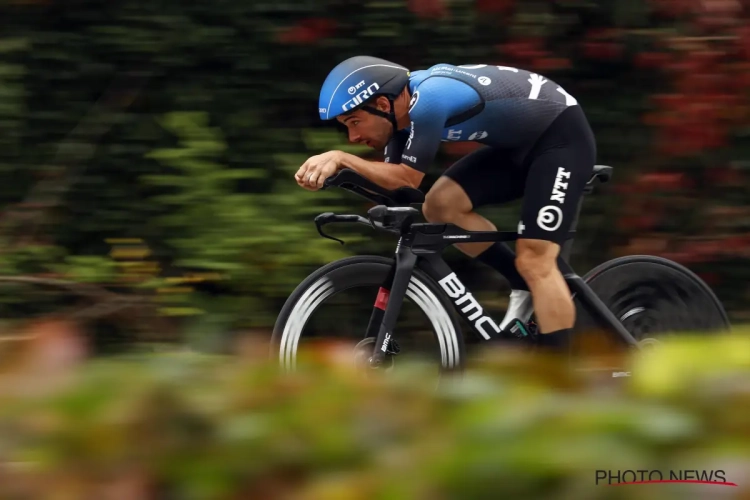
[554, 341]
[500, 257]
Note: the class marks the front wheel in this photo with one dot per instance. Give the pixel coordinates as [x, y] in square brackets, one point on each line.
[336, 301]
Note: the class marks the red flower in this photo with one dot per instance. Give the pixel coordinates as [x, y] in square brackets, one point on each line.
[307, 31]
[551, 63]
[494, 6]
[430, 9]
[651, 60]
[602, 50]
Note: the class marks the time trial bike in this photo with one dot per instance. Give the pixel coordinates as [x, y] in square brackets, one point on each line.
[633, 300]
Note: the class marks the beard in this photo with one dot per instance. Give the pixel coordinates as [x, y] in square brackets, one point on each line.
[380, 143]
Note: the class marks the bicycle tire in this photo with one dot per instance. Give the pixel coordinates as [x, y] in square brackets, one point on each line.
[611, 281]
[358, 271]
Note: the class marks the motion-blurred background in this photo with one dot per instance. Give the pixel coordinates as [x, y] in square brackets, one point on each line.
[147, 153]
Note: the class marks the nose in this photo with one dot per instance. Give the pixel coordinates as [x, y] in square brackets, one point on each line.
[354, 136]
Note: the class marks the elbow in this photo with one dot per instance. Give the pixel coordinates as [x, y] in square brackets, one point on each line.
[412, 178]
[415, 183]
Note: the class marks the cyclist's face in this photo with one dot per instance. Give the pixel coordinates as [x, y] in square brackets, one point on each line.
[366, 128]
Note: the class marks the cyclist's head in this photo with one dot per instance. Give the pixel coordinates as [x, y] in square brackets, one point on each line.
[365, 93]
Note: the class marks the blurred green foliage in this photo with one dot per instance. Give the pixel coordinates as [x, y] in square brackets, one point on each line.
[198, 426]
[181, 126]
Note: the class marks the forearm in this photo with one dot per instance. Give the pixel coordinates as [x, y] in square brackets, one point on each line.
[387, 175]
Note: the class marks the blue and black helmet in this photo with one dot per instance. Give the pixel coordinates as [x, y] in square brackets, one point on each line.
[357, 79]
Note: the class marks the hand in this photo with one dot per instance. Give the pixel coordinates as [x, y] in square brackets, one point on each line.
[313, 173]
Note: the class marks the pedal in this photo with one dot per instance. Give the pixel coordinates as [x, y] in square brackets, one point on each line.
[532, 328]
[518, 330]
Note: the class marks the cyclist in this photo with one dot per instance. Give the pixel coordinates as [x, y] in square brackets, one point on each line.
[536, 144]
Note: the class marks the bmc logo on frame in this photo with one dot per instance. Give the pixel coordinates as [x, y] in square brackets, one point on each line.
[457, 291]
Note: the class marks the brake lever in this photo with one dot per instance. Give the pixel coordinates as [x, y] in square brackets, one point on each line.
[374, 194]
[328, 217]
[322, 220]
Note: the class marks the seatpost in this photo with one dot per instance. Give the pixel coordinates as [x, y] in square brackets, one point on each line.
[567, 247]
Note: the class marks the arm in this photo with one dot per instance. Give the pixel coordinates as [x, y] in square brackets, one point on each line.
[387, 175]
[409, 153]
[390, 174]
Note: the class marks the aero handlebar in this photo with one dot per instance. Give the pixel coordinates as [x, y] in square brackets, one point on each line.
[352, 181]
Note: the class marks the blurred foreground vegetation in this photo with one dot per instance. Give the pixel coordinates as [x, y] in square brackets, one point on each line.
[189, 426]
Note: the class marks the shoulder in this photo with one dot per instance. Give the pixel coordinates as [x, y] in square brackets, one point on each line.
[433, 81]
[438, 95]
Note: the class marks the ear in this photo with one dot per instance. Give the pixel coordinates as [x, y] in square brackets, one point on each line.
[382, 104]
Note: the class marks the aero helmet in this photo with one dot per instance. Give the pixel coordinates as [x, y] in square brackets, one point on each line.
[354, 81]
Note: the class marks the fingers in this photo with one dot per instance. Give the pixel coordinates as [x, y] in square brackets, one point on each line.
[300, 182]
[312, 178]
[314, 172]
[304, 179]
[303, 174]
[300, 175]
[321, 175]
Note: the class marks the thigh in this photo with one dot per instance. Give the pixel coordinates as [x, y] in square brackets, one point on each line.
[554, 186]
[488, 176]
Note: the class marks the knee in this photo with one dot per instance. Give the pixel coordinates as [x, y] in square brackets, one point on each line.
[443, 204]
[536, 259]
[435, 208]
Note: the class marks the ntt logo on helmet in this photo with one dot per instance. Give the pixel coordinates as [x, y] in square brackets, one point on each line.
[361, 97]
[354, 88]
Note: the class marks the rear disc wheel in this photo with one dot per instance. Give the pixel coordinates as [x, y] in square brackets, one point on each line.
[654, 298]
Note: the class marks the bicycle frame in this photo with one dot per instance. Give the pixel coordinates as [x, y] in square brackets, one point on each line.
[428, 246]
[426, 242]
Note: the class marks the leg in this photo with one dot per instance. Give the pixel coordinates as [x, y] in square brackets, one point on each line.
[483, 177]
[447, 202]
[537, 262]
[559, 168]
